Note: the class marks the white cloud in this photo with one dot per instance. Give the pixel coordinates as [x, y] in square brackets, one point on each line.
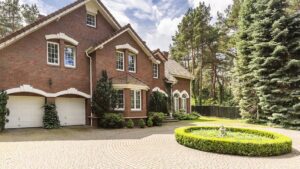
[161, 37]
[42, 5]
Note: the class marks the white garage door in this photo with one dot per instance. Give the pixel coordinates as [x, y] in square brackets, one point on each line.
[25, 111]
[71, 111]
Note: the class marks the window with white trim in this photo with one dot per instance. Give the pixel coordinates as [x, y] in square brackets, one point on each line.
[52, 53]
[136, 100]
[155, 70]
[91, 20]
[120, 61]
[176, 102]
[120, 100]
[70, 56]
[184, 102]
[132, 62]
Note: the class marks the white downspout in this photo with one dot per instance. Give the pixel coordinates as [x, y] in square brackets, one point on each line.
[91, 80]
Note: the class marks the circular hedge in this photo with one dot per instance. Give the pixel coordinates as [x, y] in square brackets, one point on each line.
[276, 144]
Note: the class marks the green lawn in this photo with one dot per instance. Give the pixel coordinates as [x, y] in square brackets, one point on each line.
[224, 121]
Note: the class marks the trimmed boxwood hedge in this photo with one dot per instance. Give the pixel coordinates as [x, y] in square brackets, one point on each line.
[279, 144]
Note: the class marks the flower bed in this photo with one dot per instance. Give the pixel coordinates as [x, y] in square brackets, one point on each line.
[238, 141]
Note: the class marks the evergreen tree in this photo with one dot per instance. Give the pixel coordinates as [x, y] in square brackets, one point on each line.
[4, 112]
[269, 53]
[104, 96]
[243, 72]
[30, 13]
[50, 119]
[10, 16]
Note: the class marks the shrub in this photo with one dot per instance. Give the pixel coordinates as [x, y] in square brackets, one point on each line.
[142, 123]
[149, 122]
[185, 116]
[129, 124]
[158, 102]
[4, 112]
[50, 119]
[277, 145]
[112, 120]
[157, 118]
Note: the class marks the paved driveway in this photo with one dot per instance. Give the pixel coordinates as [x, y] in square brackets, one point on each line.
[155, 148]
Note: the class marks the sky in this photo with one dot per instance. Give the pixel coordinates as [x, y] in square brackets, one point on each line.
[155, 20]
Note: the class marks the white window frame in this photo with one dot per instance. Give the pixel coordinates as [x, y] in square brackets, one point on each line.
[176, 102]
[155, 70]
[123, 108]
[69, 66]
[135, 57]
[95, 17]
[134, 98]
[123, 60]
[184, 103]
[58, 57]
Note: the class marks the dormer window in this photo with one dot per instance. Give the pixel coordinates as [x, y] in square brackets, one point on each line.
[155, 70]
[91, 20]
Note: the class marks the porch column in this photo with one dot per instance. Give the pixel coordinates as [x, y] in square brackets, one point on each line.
[127, 102]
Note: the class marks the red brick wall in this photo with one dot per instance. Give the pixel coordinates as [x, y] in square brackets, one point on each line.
[25, 62]
[181, 85]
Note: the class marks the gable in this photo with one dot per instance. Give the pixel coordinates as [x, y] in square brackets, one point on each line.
[91, 5]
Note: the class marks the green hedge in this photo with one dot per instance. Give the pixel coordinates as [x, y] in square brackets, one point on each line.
[279, 144]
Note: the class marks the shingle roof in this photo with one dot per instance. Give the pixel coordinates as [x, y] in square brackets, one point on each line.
[173, 69]
[45, 18]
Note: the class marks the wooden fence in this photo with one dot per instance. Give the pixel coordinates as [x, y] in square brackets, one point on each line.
[217, 111]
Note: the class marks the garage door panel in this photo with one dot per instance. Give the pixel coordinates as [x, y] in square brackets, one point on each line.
[71, 111]
[25, 111]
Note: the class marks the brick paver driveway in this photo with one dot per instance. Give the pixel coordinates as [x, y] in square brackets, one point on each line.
[86, 148]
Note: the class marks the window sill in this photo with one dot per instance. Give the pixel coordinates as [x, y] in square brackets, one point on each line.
[119, 109]
[54, 65]
[91, 26]
[131, 71]
[70, 67]
[136, 110]
[120, 70]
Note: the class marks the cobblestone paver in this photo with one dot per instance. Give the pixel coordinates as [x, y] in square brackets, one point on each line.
[157, 150]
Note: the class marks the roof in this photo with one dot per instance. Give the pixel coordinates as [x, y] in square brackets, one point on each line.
[160, 54]
[127, 79]
[43, 21]
[173, 69]
[131, 31]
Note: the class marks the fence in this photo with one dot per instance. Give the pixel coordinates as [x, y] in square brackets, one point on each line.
[217, 111]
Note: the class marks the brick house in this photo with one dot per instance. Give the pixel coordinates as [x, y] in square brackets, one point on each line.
[59, 58]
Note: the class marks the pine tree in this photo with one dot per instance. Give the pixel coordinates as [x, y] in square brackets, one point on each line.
[245, 81]
[4, 112]
[10, 16]
[104, 96]
[50, 119]
[269, 54]
[30, 13]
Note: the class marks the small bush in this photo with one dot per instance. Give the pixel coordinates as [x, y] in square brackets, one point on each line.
[157, 118]
[130, 124]
[112, 120]
[185, 116]
[149, 122]
[50, 119]
[277, 145]
[141, 123]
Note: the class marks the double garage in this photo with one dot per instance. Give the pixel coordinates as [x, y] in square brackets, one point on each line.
[28, 111]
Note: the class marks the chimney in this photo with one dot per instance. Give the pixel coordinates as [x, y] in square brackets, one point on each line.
[166, 54]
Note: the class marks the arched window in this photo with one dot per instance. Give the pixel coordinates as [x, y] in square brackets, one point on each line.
[184, 102]
[176, 102]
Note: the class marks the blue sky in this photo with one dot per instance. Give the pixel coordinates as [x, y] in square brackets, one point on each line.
[154, 20]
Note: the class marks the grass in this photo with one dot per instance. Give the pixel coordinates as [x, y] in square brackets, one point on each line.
[225, 121]
[238, 136]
